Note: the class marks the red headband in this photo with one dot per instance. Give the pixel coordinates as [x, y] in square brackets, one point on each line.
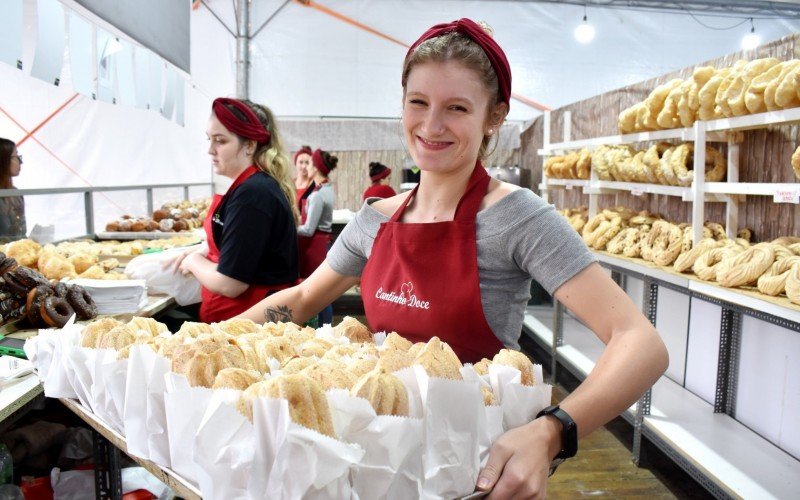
[301, 151]
[380, 175]
[319, 162]
[492, 50]
[251, 128]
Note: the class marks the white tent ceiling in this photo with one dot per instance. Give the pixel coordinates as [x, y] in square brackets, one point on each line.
[309, 63]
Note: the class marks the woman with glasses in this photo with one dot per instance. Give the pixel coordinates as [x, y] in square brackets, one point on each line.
[12, 208]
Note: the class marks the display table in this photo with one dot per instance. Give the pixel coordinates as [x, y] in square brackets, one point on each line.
[179, 485]
[17, 397]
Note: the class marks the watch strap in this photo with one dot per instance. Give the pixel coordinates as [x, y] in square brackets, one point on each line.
[569, 431]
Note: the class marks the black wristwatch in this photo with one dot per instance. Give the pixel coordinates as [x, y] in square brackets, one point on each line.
[569, 435]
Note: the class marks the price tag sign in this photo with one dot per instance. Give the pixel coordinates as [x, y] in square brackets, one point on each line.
[787, 196]
[637, 191]
[568, 187]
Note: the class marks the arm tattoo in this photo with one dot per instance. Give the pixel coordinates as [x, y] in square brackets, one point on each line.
[280, 313]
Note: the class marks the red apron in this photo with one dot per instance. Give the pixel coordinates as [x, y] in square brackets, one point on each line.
[421, 280]
[218, 307]
[312, 249]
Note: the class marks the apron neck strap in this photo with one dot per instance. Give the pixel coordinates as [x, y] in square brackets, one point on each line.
[470, 201]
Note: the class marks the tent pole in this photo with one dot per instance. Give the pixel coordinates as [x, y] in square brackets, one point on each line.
[242, 48]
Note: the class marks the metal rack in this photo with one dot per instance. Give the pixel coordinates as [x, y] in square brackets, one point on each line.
[651, 427]
[88, 195]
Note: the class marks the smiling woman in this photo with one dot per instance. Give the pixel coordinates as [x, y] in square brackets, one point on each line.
[455, 257]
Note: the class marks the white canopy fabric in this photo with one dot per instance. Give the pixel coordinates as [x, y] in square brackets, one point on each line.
[308, 63]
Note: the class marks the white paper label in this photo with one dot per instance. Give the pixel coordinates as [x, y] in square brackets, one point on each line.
[786, 196]
[568, 187]
[637, 191]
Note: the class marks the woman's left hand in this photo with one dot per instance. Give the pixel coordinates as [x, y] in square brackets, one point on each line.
[519, 461]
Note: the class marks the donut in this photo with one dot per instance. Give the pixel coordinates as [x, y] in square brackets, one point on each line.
[14, 286]
[29, 277]
[7, 264]
[686, 260]
[180, 225]
[34, 302]
[655, 102]
[138, 226]
[125, 225]
[55, 311]
[112, 226]
[82, 302]
[669, 239]
[708, 93]
[707, 265]
[166, 225]
[61, 289]
[793, 285]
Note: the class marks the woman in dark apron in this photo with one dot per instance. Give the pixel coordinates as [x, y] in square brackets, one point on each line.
[251, 229]
[455, 258]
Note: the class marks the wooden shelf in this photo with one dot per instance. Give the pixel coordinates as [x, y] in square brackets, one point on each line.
[179, 485]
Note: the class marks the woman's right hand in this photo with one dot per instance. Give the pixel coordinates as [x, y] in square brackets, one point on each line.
[174, 264]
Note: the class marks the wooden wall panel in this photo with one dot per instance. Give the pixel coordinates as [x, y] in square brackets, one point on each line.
[765, 154]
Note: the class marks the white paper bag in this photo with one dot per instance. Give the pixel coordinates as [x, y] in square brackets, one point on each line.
[150, 267]
[224, 449]
[185, 407]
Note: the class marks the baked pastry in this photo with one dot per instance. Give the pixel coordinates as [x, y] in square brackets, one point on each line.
[395, 341]
[236, 378]
[152, 327]
[116, 338]
[518, 360]
[24, 251]
[392, 360]
[307, 403]
[686, 260]
[488, 397]
[482, 366]
[238, 326]
[194, 329]
[439, 360]
[360, 367]
[278, 348]
[330, 374]
[36, 296]
[773, 282]
[353, 330]
[384, 391]
[793, 285]
[296, 364]
[91, 333]
[747, 266]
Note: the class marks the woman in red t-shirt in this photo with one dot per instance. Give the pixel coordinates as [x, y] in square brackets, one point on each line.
[380, 188]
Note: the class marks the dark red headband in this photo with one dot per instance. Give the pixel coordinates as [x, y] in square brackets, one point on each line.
[492, 50]
[301, 151]
[251, 128]
[385, 172]
[319, 162]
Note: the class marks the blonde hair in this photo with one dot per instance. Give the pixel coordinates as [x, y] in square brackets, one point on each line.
[455, 46]
[272, 159]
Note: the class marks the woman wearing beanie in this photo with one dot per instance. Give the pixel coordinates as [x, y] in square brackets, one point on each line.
[251, 229]
[379, 175]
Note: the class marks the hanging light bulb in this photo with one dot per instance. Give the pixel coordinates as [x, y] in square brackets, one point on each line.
[751, 40]
[584, 32]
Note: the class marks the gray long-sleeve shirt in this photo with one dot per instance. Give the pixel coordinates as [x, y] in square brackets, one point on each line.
[319, 210]
[520, 237]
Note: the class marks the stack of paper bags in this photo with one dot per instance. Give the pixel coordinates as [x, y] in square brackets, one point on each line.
[116, 296]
